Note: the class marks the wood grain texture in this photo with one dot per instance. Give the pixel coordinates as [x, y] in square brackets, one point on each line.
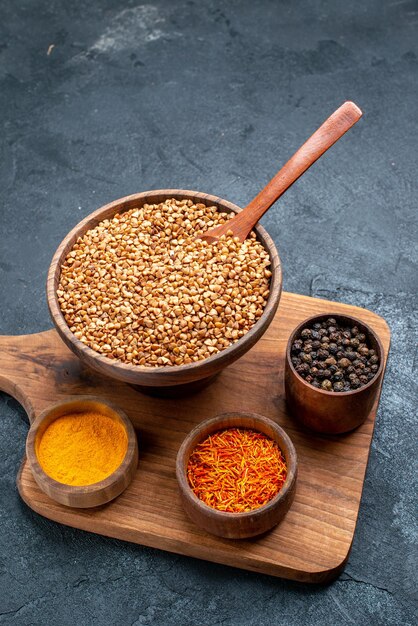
[177, 378]
[237, 525]
[322, 139]
[90, 495]
[312, 542]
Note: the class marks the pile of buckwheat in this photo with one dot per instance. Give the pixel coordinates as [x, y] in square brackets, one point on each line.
[141, 289]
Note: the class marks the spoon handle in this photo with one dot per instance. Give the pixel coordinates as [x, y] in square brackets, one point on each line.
[331, 130]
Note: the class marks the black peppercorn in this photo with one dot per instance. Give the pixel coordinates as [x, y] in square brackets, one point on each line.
[297, 346]
[333, 357]
[322, 354]
[344, 363]
[331, 321]
[302, 369]
[330, 361]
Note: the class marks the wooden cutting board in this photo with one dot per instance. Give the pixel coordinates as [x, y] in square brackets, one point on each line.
[311, 544]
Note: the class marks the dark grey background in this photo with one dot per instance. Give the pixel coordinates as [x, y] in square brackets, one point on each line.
[214, 96]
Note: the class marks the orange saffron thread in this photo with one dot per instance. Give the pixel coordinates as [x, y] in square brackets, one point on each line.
[236, 470]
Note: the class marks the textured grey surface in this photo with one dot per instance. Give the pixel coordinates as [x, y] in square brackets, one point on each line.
[214, 96]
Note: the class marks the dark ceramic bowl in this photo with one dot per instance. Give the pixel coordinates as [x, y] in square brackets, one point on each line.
[331, 412]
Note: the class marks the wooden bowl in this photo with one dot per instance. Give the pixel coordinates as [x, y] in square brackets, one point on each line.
[237, 525]
[178, 378]
[331, 412]
[89, 495]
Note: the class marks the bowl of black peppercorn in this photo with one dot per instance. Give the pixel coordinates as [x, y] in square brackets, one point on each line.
[333, 370]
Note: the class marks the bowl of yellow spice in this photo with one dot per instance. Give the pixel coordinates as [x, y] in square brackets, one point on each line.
[82, 452]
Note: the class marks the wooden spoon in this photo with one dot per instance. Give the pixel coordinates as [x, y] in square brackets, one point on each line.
[331, 130]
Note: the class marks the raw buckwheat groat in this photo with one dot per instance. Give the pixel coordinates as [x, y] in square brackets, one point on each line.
[140, 287]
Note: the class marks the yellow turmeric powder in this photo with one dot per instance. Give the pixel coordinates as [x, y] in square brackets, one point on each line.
[82, 448]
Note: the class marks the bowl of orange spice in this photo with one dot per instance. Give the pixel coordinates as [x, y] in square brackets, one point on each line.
[237, 474]
[82, 452]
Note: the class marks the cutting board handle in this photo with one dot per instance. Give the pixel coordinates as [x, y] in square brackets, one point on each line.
[38, 370]
[19, 363]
